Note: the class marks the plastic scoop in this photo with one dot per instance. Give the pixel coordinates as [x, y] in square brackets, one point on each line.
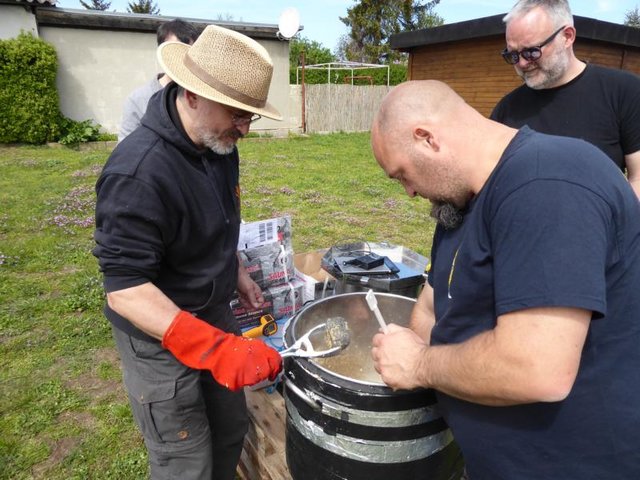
[373, 306]
[336, 335]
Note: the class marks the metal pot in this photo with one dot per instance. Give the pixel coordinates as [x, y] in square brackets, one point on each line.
[354, 363]
[343, 422]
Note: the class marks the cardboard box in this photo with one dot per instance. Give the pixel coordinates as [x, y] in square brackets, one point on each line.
[249, 318]
[281, 301]
[317, 282]
[287, 298]
[268, 265]
[265, 250]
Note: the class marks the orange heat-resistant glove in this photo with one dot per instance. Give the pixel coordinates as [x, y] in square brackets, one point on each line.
[234, 361]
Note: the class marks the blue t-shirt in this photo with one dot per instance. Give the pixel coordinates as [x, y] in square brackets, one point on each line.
[555, 225]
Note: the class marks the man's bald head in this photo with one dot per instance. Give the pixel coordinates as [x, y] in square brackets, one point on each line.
[428, 102]
[439, 147]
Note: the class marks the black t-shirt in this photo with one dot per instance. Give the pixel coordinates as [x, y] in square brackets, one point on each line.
[548, 233]
[601, 106]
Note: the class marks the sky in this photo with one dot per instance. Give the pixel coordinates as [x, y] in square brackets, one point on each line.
[321, 18]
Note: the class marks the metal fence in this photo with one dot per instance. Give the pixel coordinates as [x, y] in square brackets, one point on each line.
[341, 108]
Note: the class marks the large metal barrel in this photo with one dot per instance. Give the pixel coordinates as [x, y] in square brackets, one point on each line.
[343, 422]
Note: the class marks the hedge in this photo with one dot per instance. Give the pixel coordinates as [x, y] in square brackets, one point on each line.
[397, 74]
[29, 104]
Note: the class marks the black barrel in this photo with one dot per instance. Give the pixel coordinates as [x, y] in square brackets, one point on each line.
[344, 423]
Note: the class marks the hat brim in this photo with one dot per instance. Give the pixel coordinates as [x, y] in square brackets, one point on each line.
[171, 58]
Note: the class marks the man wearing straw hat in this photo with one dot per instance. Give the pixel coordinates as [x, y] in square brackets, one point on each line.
[167, 224]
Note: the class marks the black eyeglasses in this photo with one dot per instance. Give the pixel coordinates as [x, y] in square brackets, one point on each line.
[240, 119]
[530, 54]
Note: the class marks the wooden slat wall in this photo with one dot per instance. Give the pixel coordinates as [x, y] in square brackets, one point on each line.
[631, 60]
[474, 69]
[477, 72]
[342, 108]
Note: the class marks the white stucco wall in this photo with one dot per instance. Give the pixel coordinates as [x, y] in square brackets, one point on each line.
[279, 92]
[14, 19]
[97, 69]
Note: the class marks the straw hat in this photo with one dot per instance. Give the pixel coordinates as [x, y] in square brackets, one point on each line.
[224, 66]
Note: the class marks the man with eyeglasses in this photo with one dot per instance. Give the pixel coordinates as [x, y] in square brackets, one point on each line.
[167, 226]
[564, 96]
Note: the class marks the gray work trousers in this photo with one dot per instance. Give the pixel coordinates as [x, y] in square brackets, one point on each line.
[193, 427]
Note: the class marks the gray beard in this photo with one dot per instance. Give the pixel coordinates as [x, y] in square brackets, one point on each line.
[446, 215]
[216, 143]
[217, 146]
[551, 75]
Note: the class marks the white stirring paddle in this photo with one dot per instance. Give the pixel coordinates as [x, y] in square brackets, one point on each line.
[373, 306]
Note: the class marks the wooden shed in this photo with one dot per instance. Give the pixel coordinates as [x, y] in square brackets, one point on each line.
[466, 55]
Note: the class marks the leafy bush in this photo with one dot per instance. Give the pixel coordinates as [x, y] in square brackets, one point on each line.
[29, 104]
[74, 132]
[107, 137]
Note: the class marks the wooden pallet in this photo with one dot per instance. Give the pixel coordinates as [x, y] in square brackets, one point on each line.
[263, 456]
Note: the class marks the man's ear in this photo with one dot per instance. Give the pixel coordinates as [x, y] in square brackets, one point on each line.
[192, 99]
[569, 35]
[424, 136]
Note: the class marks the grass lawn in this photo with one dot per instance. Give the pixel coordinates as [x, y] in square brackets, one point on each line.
[63, 411]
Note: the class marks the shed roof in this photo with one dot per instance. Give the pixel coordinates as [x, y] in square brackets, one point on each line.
[52, 16]
[41, 2]
[587, 28]
[34, 3]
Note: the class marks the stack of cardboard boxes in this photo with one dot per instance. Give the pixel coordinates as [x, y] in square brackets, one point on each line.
[266, 251]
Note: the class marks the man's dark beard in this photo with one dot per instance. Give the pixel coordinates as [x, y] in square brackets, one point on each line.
[447, 215]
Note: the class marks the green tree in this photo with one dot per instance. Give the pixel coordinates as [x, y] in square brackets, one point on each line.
[632, 18]
[348, 49]
[96, 5]
[143, 6]
[372, 22]
[314, 52]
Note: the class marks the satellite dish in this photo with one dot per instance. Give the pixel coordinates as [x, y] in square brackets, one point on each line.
[289, 23]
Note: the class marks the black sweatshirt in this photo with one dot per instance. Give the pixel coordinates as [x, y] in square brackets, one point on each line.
[168, 213]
